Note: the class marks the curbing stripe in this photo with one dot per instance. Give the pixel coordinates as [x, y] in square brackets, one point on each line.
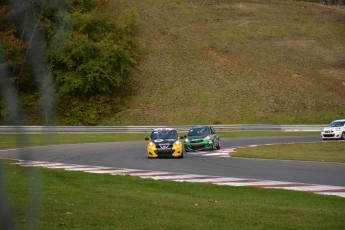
[214, 153]
[205, 179]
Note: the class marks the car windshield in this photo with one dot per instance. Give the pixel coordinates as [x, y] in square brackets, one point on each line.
[199, 131]
[337, 124]
[164, 134]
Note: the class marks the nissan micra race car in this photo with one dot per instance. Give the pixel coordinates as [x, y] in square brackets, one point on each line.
[335, 130]
[201, 138]
[164, 142]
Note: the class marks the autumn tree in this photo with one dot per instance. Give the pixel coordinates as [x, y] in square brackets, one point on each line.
[82, 49]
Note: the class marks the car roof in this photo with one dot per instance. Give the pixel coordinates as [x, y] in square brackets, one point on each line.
[339, 120]
[163, 129]
[200, 126]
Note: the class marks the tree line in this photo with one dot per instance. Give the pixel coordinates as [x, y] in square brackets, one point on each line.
[64, 61]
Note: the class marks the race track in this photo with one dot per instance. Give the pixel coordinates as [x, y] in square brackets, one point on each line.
[132, 155]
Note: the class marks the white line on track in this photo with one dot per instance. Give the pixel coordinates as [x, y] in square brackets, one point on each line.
[182, 177]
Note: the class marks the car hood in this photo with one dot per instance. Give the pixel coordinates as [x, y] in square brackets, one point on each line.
[196, 137]
[164, 141]
[331, 128]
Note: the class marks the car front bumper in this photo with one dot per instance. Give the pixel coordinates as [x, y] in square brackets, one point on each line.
[331, 135]
[175, 151]
[201, 145]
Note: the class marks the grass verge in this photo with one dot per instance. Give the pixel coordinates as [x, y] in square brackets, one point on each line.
[328, 151]
[27, 140]
[75, 200]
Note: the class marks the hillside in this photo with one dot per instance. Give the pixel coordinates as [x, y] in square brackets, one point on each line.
[226, 62]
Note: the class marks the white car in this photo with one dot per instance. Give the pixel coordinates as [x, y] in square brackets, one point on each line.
[335, 130]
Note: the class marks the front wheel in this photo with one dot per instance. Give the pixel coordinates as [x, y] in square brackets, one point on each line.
[343, 136]
[218, 145]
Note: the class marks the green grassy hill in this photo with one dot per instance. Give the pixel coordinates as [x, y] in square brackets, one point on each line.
[243, 61]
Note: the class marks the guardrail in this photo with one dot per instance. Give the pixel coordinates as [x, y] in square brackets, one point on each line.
[148, 129]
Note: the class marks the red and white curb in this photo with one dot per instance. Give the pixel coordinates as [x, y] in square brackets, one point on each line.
[182, 177]
[214, 153]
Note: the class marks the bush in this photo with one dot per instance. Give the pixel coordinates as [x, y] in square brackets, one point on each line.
[92, 56]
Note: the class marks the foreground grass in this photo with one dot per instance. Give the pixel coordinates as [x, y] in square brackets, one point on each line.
[330, 151]
[75, 200]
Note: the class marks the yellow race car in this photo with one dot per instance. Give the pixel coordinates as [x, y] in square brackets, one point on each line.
[164, 142]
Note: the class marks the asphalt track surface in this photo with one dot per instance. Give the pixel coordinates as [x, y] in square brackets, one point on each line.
[132, 155]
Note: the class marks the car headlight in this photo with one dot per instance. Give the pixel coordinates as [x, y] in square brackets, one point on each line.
[151, 144]
[177, 142]
[207, 138]
[337, 129]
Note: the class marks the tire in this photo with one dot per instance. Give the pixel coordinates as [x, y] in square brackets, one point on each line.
[343, 136]
[218, 146]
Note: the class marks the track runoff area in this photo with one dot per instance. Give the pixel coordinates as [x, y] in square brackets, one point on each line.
[204, 179]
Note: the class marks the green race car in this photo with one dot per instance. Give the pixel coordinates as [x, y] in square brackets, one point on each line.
[201, 138]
